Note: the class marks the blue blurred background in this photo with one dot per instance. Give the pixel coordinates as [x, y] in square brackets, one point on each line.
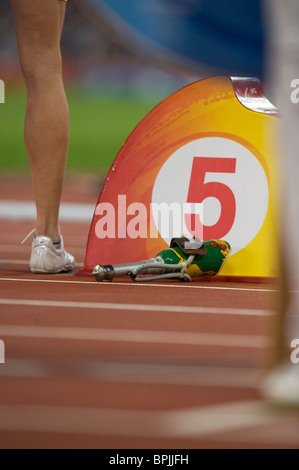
[121, 58]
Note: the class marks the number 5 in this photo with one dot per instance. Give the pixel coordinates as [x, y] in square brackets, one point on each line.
[199, 190]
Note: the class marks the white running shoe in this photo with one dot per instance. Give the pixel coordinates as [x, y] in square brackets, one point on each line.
[281, 385]
[45, 258]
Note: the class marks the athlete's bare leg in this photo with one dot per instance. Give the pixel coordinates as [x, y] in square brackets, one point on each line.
[38, 27]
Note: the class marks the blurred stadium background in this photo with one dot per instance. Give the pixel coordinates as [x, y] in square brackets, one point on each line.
[111, 85]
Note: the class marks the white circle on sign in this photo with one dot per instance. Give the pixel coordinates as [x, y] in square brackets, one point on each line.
[248, 184]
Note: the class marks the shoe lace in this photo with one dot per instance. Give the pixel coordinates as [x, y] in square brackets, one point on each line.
[27, 236]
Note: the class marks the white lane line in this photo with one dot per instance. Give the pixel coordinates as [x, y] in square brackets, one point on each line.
[25, 210]
[130, 372]
[277, 434]
[183, 423]
[24, 262]
[143, 284]
[136, 336]
[138, 307]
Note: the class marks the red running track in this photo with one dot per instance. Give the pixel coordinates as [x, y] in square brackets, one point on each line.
[132, 366]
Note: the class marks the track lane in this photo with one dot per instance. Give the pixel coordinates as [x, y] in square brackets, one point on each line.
[80, 393]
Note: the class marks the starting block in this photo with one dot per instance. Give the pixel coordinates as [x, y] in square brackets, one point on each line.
[209, 150]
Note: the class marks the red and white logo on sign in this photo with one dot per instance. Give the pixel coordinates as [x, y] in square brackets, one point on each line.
[227, 178]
